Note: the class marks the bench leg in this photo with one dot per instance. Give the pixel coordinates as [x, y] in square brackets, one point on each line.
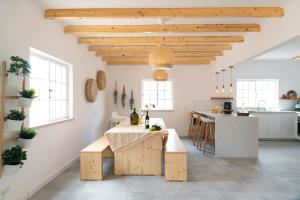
[91, 166]
[176, 166]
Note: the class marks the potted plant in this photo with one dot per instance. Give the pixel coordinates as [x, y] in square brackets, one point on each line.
[25, 137]
[13, 159]
[14, 120]
[18, 69]
[26, 97]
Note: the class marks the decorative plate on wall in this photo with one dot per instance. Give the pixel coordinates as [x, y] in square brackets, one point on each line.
[101, 80]
[91, 90]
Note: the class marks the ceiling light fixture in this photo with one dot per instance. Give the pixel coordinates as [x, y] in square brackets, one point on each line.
[223, 87]
[217, 84]
[231, 86]
[160, 75]
[162, 56]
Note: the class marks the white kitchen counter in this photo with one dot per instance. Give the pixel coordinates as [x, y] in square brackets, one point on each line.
[235, 136]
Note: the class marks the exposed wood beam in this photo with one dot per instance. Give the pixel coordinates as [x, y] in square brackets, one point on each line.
[158, 40]
[116, 62]
[176, 28]
[187, 47]
[181, 59]
[100, 13]
[146, 53]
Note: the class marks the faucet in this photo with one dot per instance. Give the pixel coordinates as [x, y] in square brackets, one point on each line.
[258, 104]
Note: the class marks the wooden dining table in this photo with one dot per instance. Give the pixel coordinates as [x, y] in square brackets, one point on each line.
[137, 151]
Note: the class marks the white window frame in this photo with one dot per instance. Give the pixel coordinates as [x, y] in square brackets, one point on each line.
[276, 103]
[69, 88]
[156, 108]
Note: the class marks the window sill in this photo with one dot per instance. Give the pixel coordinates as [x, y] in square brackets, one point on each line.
[52, 123]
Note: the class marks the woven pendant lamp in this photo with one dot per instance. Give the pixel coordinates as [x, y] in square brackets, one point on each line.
[160, 75]
[161, 57]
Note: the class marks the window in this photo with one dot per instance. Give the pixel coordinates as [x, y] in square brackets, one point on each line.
[254, 93]
[51, 78]
[159, 93]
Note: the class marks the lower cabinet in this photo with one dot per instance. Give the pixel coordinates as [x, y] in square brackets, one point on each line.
[277, 125]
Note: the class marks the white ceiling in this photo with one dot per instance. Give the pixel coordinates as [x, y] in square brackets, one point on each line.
[156, 3]
[47, 4]
[57, 4]
[285, 51]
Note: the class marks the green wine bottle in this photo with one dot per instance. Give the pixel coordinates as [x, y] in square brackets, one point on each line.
[134, 118]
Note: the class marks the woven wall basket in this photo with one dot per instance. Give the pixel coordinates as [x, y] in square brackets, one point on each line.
[101, 80]
[91, 90]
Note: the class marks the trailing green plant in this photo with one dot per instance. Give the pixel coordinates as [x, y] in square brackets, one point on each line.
[27, 133]
[15, 115]
[116, 95]
[29, 94]
[14, 156]
[123, 97]
[131, 100]
[19, 66]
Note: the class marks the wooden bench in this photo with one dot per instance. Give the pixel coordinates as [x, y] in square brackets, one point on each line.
[91, 159]
[175, 158]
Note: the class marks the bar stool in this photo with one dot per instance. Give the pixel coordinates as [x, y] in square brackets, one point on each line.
[196, 131]
[208, 135]
[192, 120]
[202, 133]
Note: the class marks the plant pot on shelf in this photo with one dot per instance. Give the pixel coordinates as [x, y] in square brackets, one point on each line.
[25, 102]
[24, 143]
[13, 125]
[14, 79]
[11, 170]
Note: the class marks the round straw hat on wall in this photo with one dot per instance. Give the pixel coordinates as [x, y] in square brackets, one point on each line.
[91, 90]
[101, 80]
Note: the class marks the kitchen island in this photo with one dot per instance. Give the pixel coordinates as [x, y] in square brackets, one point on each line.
[235, 136]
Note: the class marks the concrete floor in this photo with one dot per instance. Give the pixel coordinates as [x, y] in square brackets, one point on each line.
[275, 176]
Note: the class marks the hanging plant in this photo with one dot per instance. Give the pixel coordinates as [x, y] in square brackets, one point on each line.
[131, 101]
[116, 95]
[123, 97]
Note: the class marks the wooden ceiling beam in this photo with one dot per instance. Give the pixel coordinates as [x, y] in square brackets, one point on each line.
[102, 13]
[181, 59]
[116, 62]
[173, 28]
[146, 53]
[159, 40]
[187, 47]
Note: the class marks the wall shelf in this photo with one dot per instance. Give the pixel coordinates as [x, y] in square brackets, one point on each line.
[4, 97]
[221, 98]
[297, 99]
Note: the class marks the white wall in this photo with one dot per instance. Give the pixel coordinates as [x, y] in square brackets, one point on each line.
[192, 89]
[23, 26]
[274, 31]
[287, 72]
[194, 85]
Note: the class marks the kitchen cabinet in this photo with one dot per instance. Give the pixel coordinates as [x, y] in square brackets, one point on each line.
[262, 125]
[288, 125]
[277, 125]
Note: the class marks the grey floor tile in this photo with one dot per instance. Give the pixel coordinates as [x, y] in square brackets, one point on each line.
[274, 176]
